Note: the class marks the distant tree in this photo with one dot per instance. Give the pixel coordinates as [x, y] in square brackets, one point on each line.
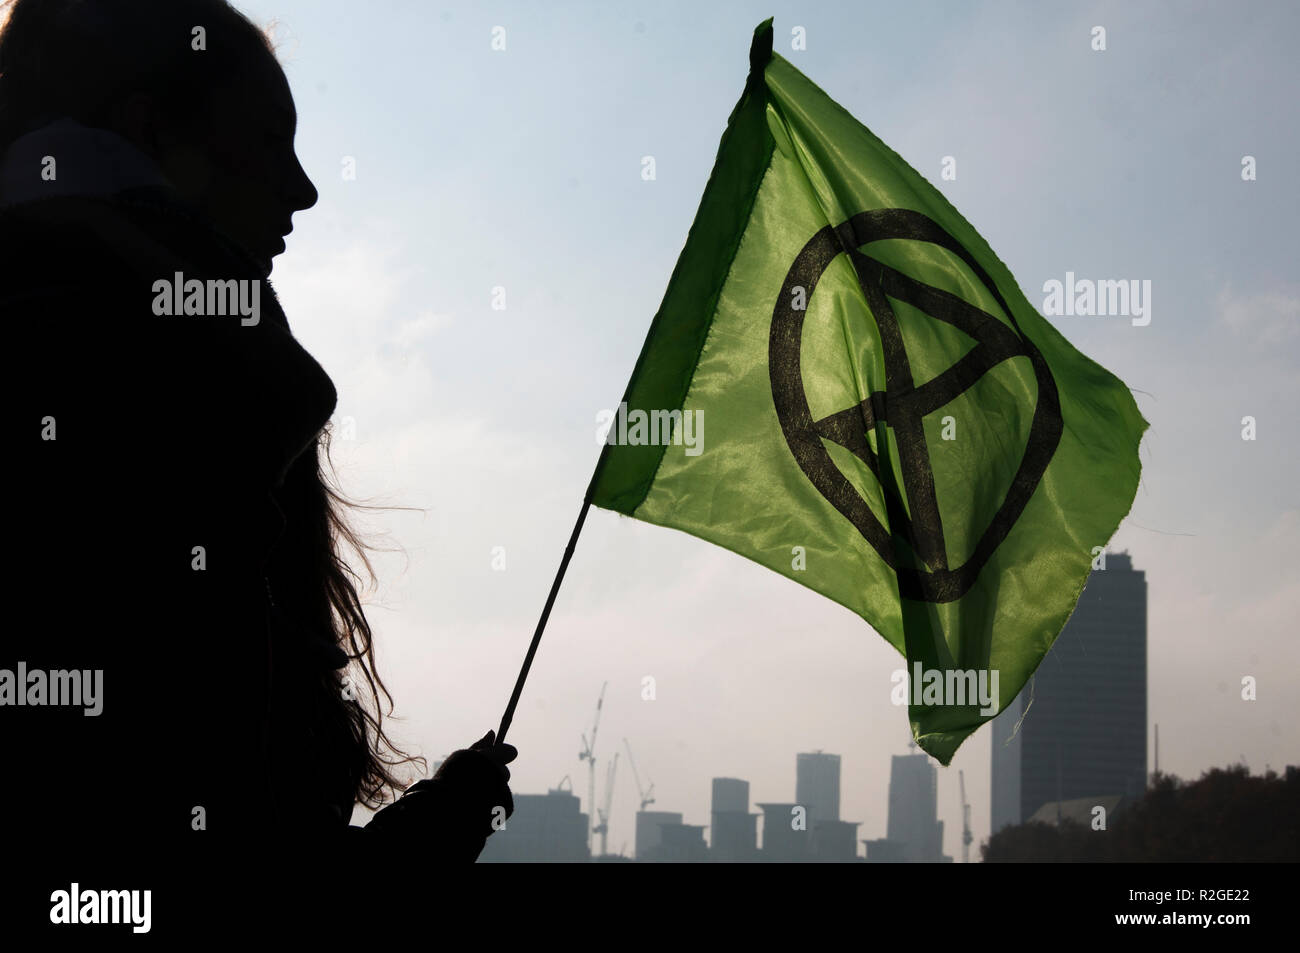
[1226, 816]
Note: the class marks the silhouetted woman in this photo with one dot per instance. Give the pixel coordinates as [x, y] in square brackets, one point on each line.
[173, 524]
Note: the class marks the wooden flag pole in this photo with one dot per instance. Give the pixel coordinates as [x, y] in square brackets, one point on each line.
[546, 614]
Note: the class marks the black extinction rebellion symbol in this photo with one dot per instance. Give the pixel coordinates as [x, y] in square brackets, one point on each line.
[902, 403]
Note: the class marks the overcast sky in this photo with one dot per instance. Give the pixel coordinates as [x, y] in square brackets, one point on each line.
[521, 169]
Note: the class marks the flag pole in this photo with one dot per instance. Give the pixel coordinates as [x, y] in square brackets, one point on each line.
[555, 589]
[546, 613]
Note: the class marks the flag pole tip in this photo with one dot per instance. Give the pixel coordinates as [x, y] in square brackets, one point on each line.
[760, 51]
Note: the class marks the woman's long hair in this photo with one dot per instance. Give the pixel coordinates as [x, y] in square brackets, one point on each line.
[331, 601]
[78, 59]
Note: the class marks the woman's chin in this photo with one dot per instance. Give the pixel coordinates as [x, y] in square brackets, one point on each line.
[267, 261]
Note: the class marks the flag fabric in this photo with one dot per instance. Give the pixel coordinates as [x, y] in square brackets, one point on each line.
[844, 384]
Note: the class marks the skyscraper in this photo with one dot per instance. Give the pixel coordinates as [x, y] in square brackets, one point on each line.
[914, 826]
[817, 785]
[1085, 733]
[649, 836]
[733, 835]
[786, 837]
[544, 828]
[679, 844]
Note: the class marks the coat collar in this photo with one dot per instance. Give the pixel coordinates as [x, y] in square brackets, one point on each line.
[66, 158]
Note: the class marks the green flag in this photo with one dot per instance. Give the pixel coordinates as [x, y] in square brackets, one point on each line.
[846, 385]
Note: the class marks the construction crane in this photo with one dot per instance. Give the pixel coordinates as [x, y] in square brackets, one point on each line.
[646, 794]
[965, 821]
[603, 827]
[588, 754]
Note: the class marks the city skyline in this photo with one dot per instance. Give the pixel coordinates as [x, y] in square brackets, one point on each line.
[1091, 711]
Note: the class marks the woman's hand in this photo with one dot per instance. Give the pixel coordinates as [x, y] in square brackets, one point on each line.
[456, 810]
[501, 755]
[479, 773]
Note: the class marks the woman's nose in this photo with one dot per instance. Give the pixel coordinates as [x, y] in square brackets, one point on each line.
[303, 192]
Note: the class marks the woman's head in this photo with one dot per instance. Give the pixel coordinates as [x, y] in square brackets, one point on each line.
[192, 83]
[196, 86]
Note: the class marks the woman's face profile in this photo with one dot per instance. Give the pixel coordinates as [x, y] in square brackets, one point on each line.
[242, 170]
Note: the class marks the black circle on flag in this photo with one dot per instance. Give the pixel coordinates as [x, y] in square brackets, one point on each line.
[904, 404]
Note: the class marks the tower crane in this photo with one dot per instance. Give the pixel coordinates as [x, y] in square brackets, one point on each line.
[646, 794]
[965, 821]
[588, 754]
[603, 827]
